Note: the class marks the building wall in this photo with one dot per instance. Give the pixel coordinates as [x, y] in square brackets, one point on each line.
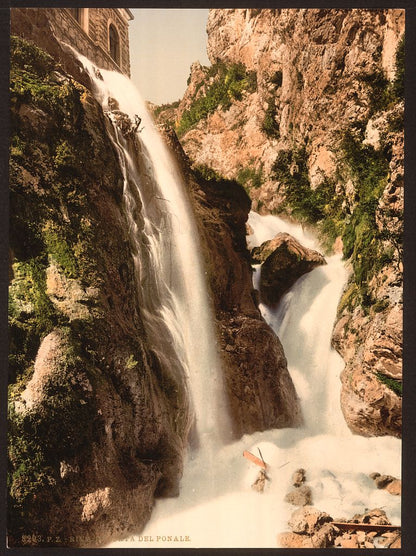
[91, 39]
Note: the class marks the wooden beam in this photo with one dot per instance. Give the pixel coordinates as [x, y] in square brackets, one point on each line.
[255, 459]
[344, 526]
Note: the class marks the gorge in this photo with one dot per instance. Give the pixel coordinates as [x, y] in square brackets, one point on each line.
[141, 356]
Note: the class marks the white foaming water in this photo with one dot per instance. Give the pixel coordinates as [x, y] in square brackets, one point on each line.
[228, 513]
[303, 321]
[173, 294]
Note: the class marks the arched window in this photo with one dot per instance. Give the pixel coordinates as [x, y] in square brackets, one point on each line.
[114, 43]
[80, 15]
[76, 14]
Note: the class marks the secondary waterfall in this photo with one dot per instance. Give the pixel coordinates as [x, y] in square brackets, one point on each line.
[172, 285]
[304, 321]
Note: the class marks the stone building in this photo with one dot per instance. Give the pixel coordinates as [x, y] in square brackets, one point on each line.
[100, 34]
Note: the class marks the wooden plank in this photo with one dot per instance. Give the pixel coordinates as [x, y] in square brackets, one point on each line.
[365, 527]
[254, 459]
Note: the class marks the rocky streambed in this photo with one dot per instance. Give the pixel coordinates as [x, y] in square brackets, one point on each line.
[313, 528]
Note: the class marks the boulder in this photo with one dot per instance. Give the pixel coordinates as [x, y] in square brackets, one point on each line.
[387, 482]
[349, 541]
[308, 519]
[284, 260]
[299, 496]
[294, 540]
[373, 517]
[298, 477]
[395, 487]
[325, 536]
[383, 480]
[397, 543]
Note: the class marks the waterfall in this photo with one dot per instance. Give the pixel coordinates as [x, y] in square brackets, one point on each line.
[218, 509]
[172, 283]
[304, 320]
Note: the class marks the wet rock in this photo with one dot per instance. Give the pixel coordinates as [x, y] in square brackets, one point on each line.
[383, 480]
[373, 517]
[395, 487]
[387, 482]
[348, 541]
[361, 536]
[308, 519]
[299, 496]
[310, 529]
[294, 540]
[284, 260]
[299, 477]
[397, 543]
[260, 391]
[48, 361]
[325, 536]
[260, 482]
[113, 104]
[67, 294]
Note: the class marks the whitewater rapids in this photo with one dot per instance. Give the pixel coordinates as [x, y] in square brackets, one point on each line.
[216, 507]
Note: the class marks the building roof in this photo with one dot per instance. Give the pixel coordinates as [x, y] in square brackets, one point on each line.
[128, 14]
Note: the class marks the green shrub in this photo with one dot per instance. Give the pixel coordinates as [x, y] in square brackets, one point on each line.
[310, 205]
[396, 122]
[270, 126]
[29, 57]
[207, 173]
[163, 107]
[65, 156]
[380, 305]
[31, 315]
[380, 92]
[250, 177]
[393, 384]
[368, 169]
[398, 82]
[349, 299]
[229, 84]
[59, 249]
[385, 93]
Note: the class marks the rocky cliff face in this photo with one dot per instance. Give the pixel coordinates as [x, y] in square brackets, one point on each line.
[93, 428]
[305, 109]
[97, 426]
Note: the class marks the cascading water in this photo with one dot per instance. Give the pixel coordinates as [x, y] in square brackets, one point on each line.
[216, 506]
[304, 321]
[172, 285]
[228, 513]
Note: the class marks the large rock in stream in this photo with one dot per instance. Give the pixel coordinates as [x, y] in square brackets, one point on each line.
[284, 260]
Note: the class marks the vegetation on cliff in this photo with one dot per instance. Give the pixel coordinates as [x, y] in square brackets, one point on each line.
[226, 83]
[78, 361]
